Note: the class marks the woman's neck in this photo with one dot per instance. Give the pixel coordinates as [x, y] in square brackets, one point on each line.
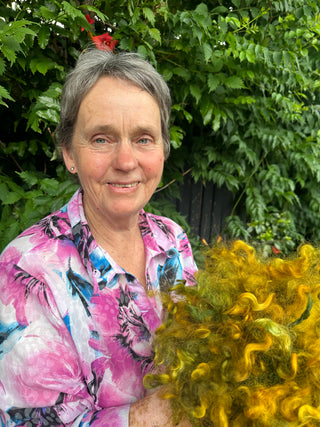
[124, 243]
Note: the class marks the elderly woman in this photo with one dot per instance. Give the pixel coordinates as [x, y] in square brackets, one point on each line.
[79, 291]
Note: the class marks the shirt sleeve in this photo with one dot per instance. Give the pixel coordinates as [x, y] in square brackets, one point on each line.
[42, 382]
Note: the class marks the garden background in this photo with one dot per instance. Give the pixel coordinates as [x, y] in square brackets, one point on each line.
[245, 82]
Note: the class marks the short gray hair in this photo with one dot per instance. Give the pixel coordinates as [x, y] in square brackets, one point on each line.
[93, 64]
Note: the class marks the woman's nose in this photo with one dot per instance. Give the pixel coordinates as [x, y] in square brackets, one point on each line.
[125, 156]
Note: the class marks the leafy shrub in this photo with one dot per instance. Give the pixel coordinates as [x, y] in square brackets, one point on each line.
[244, 77]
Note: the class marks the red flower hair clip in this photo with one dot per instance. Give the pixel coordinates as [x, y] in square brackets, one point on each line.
[104, 41]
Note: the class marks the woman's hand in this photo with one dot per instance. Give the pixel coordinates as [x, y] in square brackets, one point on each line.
[153, 411]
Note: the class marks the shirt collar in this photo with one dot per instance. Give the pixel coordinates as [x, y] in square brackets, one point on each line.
[104, 269]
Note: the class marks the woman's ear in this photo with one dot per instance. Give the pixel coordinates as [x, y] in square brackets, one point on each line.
[68, 159]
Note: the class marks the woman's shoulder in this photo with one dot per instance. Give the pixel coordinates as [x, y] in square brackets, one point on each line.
[158, 224]
[40, 237]
[47, 231]
[160, 218]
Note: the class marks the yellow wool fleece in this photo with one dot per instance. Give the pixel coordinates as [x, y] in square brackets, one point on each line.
[242, 348]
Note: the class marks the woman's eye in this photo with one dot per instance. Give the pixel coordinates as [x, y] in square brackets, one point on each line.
[100, 140]
[143, 141]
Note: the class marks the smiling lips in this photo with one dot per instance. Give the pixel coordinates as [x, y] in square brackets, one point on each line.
[119, 185]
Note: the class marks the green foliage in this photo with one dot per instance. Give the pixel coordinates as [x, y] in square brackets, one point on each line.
[273, 234]
[245, 82]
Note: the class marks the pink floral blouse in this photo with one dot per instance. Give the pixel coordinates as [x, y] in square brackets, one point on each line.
[75, 328]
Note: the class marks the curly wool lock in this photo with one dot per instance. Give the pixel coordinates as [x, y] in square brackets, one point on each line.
[242, 348]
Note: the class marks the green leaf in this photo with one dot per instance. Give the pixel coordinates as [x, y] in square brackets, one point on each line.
[182, 72]
[136, 15]
[2, 66]
[207, 49]
[149, 15]
[287, 59]
[71, 11]
[49, 102]
[29, 177]
[18, 29]
[219, 10]
[50, 116]
[142, 50]
[11, 43]
[234, 21]
[216, 122]
[9, 47]
[234, 82]
[44, 36]
[47, 14]
[197, 33]
[6, 95]
[255, 203]
[277, 57]
[202, 9]
[50, 186]
[242, 55]
[20, 34]
[267, 56]
[185, 18]
[213, 82]
[126, 43]
[250, 56]
[167, 74]
[176, 136]
[241, 100]
[237, 3]
[91, 8]
[307, 10]
[216, 63]
[195, 92]
[155, 34]
[54, 90]
[22, 62]
[41, 64]
[8, 197]
[186, 114]
[206, 112]
[9, 230]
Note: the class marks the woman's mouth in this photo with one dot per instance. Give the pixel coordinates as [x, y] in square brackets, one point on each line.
[128, 185]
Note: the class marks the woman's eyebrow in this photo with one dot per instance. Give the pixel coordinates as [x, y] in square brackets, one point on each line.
[135, 131]
[148, 129]
[103, 128]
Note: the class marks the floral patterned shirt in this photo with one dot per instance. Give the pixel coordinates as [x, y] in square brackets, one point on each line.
[75, 328]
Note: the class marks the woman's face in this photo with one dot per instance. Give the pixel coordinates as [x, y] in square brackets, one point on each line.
[116, 150]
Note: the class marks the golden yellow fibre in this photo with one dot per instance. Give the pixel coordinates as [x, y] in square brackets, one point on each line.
[242, 348]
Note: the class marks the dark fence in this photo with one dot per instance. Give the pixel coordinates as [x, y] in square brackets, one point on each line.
[205, 207]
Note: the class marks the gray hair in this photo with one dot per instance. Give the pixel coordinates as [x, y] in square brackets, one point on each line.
[93, 64]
